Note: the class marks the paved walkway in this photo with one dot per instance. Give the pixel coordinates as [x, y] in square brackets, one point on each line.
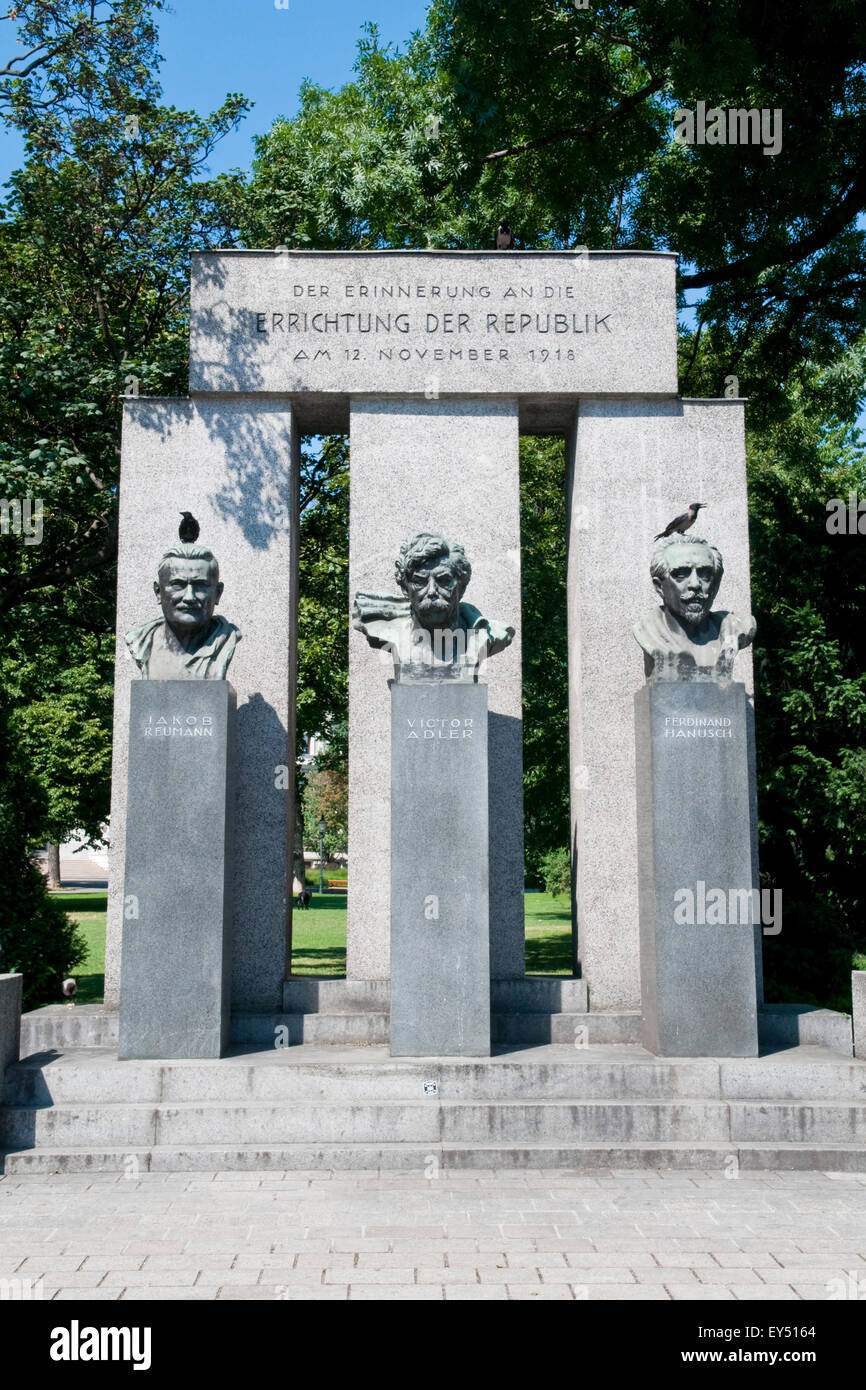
[526, 1235]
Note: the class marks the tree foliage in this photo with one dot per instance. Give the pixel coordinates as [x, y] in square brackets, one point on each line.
[37, 939]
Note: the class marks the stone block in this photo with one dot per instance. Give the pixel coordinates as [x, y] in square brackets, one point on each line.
[651, 458]
[179, 870]
[233, 464]
[858, 1011]
[804, 1025]
[440, 950]
[537, 323]
[697, 871]
[10, 1021]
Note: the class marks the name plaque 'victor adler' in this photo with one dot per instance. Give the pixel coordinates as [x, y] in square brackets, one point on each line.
[432, 323]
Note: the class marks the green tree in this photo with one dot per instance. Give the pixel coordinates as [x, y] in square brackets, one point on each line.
[37, 939]
[95, 237]
[809, 588]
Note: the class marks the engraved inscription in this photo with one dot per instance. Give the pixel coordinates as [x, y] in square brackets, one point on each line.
[179, 726]
[439, 728]
[695, 726]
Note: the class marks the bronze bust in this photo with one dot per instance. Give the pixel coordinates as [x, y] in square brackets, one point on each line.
[189, 641]
[683, 639]
[430, 633]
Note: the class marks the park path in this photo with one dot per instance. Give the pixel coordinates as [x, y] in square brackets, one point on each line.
[470, 1235]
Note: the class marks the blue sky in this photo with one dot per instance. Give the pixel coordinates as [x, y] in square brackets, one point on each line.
[212, 47]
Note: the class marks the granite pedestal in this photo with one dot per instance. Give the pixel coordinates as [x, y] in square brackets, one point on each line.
[697, 870]
[858, 1014]
[661, 454]
[440, 948]
[448, 466]
[176, 961]
[235, 464]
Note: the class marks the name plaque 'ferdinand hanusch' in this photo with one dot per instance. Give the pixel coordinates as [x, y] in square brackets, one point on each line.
[524, 322]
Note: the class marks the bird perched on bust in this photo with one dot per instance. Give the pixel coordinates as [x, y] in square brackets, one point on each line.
[189, 528]
[683, 521]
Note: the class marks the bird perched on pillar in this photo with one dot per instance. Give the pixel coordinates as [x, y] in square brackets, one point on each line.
[189, 528]
[683, 521]
[504, 237]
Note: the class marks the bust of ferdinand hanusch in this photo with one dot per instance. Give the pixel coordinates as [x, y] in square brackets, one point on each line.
[684, 639]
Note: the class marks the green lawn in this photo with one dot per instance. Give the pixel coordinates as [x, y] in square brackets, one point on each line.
[319, 936]
[548, 934]
[88, 910]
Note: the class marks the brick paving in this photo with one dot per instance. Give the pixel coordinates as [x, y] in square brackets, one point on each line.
[471, 1235]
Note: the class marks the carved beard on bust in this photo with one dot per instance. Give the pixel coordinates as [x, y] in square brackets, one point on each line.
[691, 611]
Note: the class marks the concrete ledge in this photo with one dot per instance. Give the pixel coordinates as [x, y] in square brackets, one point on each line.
[532, 994]
[59, 1026]
[10, 1021]
[789, 1025]
[858, 1011]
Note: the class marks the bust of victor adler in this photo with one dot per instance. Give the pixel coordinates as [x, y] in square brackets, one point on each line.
[189, 642]
[683, 639]
[430, 632]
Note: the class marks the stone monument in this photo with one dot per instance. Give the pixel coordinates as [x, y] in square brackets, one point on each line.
[698, 885]
[176, 971]
[440, 915]
[435, 362]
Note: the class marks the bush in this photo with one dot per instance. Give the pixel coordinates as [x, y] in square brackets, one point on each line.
[556, 872]
[37, 938]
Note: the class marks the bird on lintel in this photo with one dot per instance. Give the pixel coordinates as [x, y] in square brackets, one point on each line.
[504, 237]
[683, 521]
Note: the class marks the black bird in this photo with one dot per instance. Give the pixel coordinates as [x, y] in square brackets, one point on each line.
[683, 521]
[504, 237]
[189, 528]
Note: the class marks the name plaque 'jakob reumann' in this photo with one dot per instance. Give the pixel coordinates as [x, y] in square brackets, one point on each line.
[440, 928]
[176, 946]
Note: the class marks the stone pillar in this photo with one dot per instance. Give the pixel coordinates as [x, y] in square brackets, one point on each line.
[10, 1022]
[448, 466]
[440, 956]
[634, 464]
[233, 464]
[178, 886]
[858, 1011]
[698, 883]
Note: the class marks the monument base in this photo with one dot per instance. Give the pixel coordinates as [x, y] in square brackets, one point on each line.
[440, 920]
[176, 954]
[699, 926]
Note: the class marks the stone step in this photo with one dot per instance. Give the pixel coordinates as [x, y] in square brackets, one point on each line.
[433, 1120]
[369, 1027]
[361, 1029]
[93, 1076]
[531, 994]
[432, 1159]
[341, 1012]
[571, 1029]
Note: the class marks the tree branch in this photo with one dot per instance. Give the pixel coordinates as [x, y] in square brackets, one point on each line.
[581, 132]
[834, 222]
[60, 572]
